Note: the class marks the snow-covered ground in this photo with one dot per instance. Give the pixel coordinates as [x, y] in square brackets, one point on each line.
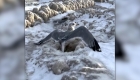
[30, 7]
[40, 59]
[36, 4]
[128, 31]
[11, 29]
[45, 0]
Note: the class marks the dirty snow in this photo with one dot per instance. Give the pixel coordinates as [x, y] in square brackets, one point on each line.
[11, 29]
[38, 58]
[128, 33]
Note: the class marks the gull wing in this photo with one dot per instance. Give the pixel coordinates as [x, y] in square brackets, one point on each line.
[55, 35]
[45, 39]
[86, 36]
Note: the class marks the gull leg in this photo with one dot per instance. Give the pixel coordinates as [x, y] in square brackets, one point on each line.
[63, 46]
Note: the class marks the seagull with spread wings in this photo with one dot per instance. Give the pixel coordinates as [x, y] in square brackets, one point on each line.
[81, 32]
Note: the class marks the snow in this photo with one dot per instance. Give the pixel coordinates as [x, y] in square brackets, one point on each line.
[41, 73]
[35, 6]
[60, 16]
[31, 5]
[45, 0]
[107, 56]
[11, 29]
[106, 5]
[127, 12]
[39, 57]
[131, 67]
[9, 23]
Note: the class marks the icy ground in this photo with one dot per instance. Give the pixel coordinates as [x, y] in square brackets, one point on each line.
[128, 31]
[82, 64]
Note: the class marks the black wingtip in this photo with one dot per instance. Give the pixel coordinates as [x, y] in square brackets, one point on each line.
[94, 49]
[37, 43]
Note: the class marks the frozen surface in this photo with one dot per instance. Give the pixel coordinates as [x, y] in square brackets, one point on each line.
[38, 58]
[127, 30]
[35, 6]
[45, 0]
[11, 29]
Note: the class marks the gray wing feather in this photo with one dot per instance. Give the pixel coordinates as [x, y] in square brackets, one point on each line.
[59, 35]
[43, 40]
[86, 36]
[55, 35]
[83, 33]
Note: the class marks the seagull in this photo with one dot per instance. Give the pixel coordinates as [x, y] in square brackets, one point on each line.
[80, 32]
